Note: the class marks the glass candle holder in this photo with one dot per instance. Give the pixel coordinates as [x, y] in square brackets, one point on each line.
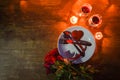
[73, 19]
[98, 35]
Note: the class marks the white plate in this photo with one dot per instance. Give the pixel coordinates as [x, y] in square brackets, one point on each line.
[64, 48]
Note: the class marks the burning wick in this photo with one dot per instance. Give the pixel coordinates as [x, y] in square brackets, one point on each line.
[98, 35]
[73, 19]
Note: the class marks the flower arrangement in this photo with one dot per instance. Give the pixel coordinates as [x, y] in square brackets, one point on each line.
[63, 69]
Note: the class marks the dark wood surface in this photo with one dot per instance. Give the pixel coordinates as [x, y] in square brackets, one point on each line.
[30, 30]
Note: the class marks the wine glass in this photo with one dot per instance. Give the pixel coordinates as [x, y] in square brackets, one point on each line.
[85, 9]
[95, 20]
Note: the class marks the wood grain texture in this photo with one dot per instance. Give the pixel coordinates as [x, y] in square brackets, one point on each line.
[31, 30]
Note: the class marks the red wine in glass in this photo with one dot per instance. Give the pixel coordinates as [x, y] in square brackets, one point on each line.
[85, 9]
[95, 20]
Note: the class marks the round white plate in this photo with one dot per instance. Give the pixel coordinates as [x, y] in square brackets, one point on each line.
[69, 50]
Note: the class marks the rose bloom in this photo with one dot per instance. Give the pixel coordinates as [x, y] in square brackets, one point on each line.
[50, 59]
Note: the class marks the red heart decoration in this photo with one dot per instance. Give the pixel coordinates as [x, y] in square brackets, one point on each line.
[77, 35]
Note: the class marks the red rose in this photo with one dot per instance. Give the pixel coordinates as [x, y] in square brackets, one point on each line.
[59, 58]
[46, 65]
[50, 59]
